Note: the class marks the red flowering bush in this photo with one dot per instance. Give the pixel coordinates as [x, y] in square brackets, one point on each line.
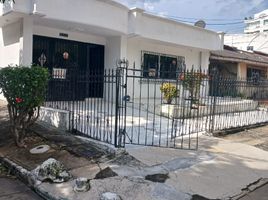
[24, 89]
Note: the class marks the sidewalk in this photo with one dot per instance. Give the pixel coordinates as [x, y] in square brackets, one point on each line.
[12, 189]
[220, 169]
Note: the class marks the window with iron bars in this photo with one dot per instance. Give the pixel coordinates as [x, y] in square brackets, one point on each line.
[256, 75]
[161, 66]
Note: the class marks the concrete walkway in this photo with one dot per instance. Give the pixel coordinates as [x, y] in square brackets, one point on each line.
[12, 189]
[220, 169]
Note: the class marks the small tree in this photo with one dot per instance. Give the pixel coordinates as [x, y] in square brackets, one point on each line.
[192, 82]
[24, 89]
[169, 91]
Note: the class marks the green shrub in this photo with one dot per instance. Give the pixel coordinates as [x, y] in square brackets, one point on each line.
[169, 91]
[24, 88]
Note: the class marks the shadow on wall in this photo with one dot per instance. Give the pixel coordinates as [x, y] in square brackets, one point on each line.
[11, 33]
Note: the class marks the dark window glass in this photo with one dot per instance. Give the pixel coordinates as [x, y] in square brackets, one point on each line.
[150, 65]
[168, 67]
[162, 66]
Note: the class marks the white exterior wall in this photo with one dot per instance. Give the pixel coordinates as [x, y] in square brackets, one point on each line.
[242, 41]
[10, 45]
[192, 55]
[96, 13]
[76, 36]
[99, 13]
[169, 31]
[134, 55]
[115, 49]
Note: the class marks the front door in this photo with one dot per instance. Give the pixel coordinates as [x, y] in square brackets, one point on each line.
[69, 63]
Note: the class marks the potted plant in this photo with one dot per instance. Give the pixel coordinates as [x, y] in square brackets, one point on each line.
[169, 92]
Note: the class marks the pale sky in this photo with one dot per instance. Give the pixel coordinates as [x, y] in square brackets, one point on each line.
[212, 11]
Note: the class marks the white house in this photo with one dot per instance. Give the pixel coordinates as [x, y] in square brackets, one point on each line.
[95, 34]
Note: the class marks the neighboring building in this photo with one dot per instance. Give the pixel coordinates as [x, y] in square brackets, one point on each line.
[95, 34]
[257, 24]
[235, 63]
[246, 67]
[255, 37]
[248, 42]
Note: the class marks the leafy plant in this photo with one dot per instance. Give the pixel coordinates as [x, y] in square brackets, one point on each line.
[24, 89]
[169, 91]
[192, 82]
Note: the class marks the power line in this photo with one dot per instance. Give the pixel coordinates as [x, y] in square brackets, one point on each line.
[261, 46]
[209, 24]
[192, 18]
[186, 21]
[234, 29]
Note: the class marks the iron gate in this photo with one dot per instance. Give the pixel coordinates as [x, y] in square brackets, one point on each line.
[101, 116]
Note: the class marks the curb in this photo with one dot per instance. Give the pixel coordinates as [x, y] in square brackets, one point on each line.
[250, 188]
[26, 177]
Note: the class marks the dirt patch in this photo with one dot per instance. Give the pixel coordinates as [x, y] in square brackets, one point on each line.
[71, 152]
[257, 137]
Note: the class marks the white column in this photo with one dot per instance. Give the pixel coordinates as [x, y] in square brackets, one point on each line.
[26, 41]
[123, 47]
[115, 49]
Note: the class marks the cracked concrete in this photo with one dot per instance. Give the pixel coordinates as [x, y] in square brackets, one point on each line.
[218, 170]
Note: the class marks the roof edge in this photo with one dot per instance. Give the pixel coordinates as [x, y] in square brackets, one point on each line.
[115, 3]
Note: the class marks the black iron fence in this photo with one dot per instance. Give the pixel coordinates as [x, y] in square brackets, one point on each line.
[121, 106]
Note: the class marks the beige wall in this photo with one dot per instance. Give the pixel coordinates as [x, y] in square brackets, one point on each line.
[242, 70]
